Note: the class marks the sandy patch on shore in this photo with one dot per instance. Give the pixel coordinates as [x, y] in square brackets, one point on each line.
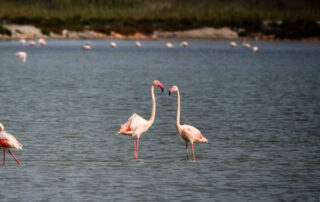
[31, 32]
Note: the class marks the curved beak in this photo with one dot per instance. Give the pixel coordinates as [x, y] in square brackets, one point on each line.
[171, 90]
[161, 86]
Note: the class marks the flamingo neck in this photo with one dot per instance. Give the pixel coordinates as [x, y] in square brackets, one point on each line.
[153, 113]
[178, 111]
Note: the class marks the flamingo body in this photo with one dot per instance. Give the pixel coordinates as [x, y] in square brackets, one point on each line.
[169, 45]
[138, 44]
[113, 44]
[8, 141]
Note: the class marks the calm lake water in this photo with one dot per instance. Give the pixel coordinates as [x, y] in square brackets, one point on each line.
[259, 111]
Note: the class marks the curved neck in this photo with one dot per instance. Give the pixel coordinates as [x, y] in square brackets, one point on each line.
[178, 110]
[153, 113]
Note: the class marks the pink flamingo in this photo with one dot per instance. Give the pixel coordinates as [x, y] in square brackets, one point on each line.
[136, 125]
[22, 56]
[8, 141]
[187, 132]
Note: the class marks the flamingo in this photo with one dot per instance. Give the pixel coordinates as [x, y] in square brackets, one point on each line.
[138, 44]
[32, 43]
[42, 42]
[187, 132]
[255, 48]
[169, 45]
[86, 46]
[184, 44]
[136, 125]
[113, 44]
[233, 44]
[22, 42]
[8, 141]
[22, 56]
[65, 33]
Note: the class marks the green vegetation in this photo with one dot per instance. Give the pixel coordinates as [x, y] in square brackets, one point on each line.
[5, 31]
[129, 16]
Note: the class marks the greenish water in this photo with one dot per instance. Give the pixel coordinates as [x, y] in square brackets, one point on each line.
[259, 111]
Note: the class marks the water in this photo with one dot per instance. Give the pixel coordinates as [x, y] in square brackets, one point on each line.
[259, 111]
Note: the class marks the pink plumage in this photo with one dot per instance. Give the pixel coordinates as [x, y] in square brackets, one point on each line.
[136, 125]
[187, 132]
[8, 141]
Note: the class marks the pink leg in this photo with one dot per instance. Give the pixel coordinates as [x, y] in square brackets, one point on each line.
[193, 152]
[4, 156]
[134, 148]
[15, 158]
[137, 147]
[187, 151]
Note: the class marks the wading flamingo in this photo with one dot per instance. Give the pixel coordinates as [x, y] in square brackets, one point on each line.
[138, 44]
[169, 45]
[42, 42]
[136, 125]
[113, 44]
[255, 48]
[22, 42]
[188, 133]
[86, 46]
[233, 44]
[8, 141]
[32, 43]
[184, 44]
[22, 56]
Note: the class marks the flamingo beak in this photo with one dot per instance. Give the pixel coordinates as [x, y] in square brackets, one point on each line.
[171, 90]
[161, 86]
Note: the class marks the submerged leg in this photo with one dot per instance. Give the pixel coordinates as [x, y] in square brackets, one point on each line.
[134, 148]
[193, 152]
[15, 158]
[4, 156]
[137, 147]
[187, 151]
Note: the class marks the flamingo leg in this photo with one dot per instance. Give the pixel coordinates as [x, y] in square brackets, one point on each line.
[4, 156]
[137, 147]
[15, 158]
[193, 152]
[134, 148]
[187, 151]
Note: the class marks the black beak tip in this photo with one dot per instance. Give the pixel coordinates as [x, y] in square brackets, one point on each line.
[169, 93]
[162, 89]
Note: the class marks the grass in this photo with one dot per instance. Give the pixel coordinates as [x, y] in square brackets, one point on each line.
[130, 16]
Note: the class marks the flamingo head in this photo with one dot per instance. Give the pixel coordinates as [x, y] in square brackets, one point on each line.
[1, 127]
[158, 84]
[173, 89]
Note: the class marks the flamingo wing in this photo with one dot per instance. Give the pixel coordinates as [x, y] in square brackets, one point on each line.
[8, 140]
[135, 125]
[192, 134]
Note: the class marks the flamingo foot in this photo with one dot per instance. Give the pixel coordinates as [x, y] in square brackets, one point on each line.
[15, 158]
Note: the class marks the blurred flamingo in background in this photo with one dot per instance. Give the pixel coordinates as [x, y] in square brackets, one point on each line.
[42, 42]
[136, 125]
[22, 56]
[138, 44]
[233, 44]
[113, 44]
[32, 43]
[86, 46]
[188, 133]
[8, 141]
[22, 42]
[255, 48]
[184, 44]
[169, 45]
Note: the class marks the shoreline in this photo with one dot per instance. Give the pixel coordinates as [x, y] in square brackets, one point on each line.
[30, 32]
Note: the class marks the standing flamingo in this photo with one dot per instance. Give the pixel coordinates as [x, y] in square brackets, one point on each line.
[136, 125]
[22, 56]
[187, 132]
[138, 44]
[8, 141]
